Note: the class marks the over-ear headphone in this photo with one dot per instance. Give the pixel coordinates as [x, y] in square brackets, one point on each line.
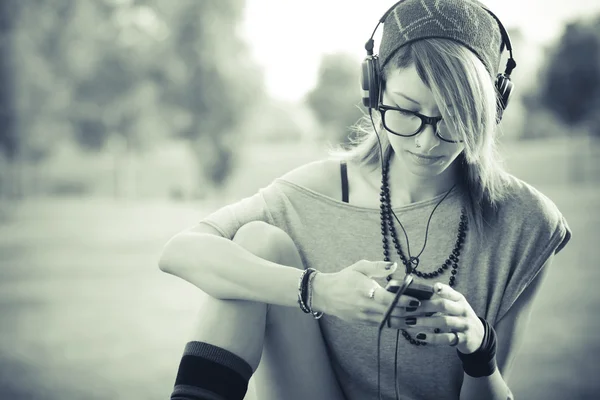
[371, 73]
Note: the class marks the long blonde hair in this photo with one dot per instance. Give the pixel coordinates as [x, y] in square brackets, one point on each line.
[455, 76]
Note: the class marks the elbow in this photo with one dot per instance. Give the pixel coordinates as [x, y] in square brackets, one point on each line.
[162, 262]
[166, 261]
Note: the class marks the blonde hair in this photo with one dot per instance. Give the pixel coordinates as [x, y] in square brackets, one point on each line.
[455, 76]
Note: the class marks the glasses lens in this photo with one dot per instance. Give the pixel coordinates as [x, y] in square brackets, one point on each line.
[400, 122]
[447, 133]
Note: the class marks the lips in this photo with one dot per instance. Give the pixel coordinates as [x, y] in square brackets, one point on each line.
[420, 159]
[426, 157]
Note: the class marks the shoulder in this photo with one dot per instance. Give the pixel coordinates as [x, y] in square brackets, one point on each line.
[321, 176]
[527, 211]
[525, 201]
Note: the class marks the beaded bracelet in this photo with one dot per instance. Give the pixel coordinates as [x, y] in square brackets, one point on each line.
[301, 303]
[305, 292]
[319, 314]
[483, 361]
[304, 289]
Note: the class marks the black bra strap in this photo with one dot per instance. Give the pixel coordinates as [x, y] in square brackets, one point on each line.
[344, 173]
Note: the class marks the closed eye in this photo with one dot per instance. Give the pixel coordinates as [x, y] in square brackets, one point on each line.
[402, 110]
[408, 113]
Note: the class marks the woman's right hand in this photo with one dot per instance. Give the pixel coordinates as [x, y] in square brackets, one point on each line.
[345, 294]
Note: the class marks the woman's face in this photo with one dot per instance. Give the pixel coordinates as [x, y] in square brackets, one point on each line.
[406, 90]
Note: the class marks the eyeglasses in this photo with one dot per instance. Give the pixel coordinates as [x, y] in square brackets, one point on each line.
[408, 123]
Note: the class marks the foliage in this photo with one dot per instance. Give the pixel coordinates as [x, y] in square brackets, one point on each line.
[336, 97]
[8, 132]
[139, 71]
[571, 84]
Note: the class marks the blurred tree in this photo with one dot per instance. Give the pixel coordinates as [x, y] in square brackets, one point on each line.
[335, 100]
[571, 85]
[10, 168]
[210, 78]
[8, 129]
[116, 75]
[568, 97]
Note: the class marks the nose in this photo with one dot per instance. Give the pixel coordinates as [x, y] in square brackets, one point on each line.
[428, 139]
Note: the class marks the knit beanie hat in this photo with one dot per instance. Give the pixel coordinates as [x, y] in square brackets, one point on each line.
[464, 21]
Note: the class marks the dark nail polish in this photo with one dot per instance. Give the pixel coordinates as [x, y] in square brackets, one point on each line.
[411, 309]
[414, 303]
[421, 336]
[437, 330]
[411, 321]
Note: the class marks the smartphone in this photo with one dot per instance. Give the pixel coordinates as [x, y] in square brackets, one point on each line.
[419, 291]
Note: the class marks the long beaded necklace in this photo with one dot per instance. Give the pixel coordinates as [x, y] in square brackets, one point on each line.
[413, 262]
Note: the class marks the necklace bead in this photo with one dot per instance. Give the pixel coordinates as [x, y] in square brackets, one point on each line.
[387, 222]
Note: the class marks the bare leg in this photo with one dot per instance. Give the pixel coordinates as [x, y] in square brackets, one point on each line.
[283, 345]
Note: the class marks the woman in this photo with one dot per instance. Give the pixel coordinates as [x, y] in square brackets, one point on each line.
[424, 182]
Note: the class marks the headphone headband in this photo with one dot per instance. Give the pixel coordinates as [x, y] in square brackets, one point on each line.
[445, 19]
[505, 42]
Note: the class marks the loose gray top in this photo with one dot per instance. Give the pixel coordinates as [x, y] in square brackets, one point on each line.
[332, 235]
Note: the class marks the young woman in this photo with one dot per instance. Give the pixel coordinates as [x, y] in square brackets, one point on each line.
[422, 188]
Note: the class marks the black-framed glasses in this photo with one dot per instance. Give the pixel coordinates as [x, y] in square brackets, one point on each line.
[406, 123]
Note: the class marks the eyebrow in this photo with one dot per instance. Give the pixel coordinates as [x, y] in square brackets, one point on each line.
[413, 100]
[407, 98]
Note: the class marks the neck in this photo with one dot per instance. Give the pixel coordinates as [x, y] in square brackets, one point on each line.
[407, 188]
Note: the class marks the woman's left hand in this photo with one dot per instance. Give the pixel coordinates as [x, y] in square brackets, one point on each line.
[453, 314]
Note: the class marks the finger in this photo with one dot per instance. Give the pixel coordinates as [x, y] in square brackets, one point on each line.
[447, 292]
[375, 269]
[443, 322]
[386, 298]
[439, 305]
[402, 312]
[445, 338]
[399, 323]
[413, 312]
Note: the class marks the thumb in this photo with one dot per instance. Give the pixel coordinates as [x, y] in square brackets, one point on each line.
[376, 269]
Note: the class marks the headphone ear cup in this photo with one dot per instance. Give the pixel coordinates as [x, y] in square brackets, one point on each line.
[504, 87]
[370, 82]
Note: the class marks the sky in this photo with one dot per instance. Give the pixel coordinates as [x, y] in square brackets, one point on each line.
[288, 37]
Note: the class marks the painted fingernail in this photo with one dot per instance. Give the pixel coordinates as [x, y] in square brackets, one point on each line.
[421, 336]
[414, 303]
[411, 321]
[437, 330]
[411, 309]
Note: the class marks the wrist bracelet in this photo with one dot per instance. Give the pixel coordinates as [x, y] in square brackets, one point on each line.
[319, 314]
[483, 361]
[301, 302]
[305, 292]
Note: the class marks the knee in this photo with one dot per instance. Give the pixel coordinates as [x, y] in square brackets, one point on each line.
[266, 241]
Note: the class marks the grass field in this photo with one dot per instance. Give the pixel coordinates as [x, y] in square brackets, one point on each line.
[86, 314]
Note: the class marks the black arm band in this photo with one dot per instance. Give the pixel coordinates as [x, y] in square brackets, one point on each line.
[483, 361]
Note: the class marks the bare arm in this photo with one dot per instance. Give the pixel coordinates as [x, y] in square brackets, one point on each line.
[225, 270]
[510, 331]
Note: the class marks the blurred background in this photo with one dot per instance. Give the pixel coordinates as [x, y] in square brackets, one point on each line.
[123, 122]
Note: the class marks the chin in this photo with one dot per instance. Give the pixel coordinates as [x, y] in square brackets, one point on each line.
[425, 170]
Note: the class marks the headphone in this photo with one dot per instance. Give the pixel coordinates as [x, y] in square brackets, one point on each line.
[371, 73]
